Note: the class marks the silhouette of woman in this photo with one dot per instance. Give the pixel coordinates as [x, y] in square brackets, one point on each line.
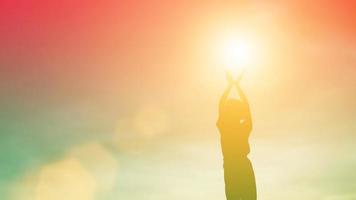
[235, 125]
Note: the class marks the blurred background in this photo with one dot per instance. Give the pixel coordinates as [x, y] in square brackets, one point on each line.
[118, 99]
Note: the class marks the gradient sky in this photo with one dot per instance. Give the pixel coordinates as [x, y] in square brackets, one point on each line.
[117, 100]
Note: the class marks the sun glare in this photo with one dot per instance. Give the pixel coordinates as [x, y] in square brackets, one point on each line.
[237, 53]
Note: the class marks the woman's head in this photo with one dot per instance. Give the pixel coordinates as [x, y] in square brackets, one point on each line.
[234, 108]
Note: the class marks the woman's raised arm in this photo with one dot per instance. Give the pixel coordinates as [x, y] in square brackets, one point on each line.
[224, 96]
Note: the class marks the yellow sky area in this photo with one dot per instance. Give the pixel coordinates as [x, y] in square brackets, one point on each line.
[65, 179]
[148, 121]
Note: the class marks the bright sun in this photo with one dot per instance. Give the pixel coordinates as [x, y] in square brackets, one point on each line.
[237, 53]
